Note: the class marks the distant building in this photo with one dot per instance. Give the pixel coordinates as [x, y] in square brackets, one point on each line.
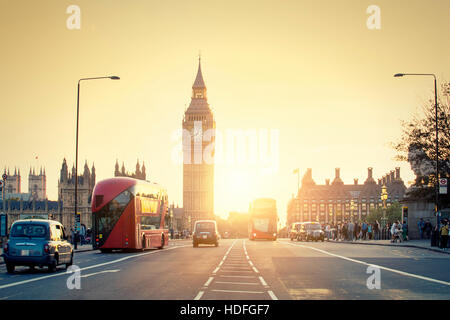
[334, 202]
[198, 173]
[37, 185]
[24, 209]
[12, 183]
[66, 195]
[177, 215]
[138, 174]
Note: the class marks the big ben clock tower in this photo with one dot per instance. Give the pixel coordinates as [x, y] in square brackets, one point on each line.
[198, 151]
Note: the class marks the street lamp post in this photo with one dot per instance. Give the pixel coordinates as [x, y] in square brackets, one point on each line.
[352, 208]
[384, 197]
[76, 150]
[436, 205]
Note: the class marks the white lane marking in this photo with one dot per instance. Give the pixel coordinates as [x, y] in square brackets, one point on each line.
[251, 263]
[249, 283]
[208, 282]
[215, 270]
[226, 276]
[95, 273]
[199, 295]
[256, 270]
[236, 271]
[87, 268]
[237, 291]
[371, 264]
[272, 295]
[263, 282]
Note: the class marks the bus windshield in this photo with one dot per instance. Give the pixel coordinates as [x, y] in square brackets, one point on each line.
[261, 224]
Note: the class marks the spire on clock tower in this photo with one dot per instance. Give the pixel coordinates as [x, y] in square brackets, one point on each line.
[199, 87]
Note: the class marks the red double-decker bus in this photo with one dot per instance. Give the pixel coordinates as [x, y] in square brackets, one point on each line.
[263, 219]
[129, 214]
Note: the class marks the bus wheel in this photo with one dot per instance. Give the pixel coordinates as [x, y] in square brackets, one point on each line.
[10, 267]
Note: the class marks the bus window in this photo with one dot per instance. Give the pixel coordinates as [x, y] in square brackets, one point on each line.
[150, 223]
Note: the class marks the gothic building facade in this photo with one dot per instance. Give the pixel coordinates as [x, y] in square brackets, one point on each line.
[198, 149]
[66, 195]
[37, 185]
[335, 202]
[138, 174]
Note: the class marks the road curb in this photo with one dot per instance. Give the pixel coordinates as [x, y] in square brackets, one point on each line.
[391, 245]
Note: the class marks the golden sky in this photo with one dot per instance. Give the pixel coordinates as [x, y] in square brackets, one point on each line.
[310, 69]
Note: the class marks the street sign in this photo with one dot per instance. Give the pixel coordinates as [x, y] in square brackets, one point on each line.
[443, 186]
[4, 176]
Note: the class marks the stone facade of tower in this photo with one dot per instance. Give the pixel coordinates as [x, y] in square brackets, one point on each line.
[198, 149]
[13, 183]
[37, 184]
[138, 174]
[66, 195]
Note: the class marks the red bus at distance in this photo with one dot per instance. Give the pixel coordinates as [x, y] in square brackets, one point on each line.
[263, 219]
[129, 214]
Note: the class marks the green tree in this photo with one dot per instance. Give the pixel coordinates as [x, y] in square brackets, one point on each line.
[417, 145]
[393, 213]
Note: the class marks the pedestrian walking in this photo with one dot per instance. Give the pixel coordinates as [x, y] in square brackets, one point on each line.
[427, 228]
[421, 227]
[370, 231]
[376, 230]
[405, 230]
[364, 228]
[444, 235]
[393, 231]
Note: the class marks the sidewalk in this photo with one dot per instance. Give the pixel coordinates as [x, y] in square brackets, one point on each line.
[421, 244]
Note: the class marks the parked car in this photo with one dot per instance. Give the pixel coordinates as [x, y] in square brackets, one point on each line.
[37, 242]
[311, 231]
[294, 230]
[205, 232]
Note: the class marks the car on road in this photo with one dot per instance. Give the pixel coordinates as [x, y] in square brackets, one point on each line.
[311, 231]
[205, 232]
[37, 242]
[294, 230]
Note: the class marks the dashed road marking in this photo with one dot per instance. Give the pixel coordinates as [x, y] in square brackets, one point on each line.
[199, 295]
[272, 295]
[208, 282]
[237, 291]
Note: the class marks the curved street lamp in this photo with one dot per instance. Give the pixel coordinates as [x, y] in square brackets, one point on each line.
[397, 75]
[76, 150]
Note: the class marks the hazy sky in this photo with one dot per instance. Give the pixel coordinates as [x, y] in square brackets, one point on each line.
[310, 69]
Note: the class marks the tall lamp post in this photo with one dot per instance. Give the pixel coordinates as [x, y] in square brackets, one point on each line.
[352, 208]
[384, 197]
[76, 150]
[436, 205]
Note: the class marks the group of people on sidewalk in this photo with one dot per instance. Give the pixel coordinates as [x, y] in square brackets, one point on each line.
[363, 230]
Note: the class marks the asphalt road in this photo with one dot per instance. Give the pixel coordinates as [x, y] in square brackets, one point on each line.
[241, 270]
